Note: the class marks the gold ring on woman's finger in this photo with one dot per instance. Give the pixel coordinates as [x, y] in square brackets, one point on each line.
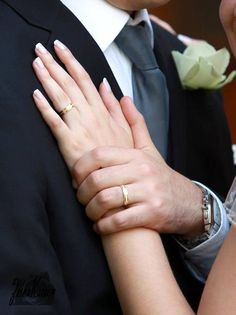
[67, 109]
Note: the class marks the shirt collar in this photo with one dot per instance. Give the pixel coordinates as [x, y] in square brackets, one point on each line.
[143, 16]
[103, 21]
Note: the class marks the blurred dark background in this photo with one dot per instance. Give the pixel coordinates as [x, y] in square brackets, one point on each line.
[200, 19]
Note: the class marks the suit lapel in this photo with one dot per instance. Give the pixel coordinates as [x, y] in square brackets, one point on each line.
[39, 13]
[177, 122]
[70, 31]
[53, 16]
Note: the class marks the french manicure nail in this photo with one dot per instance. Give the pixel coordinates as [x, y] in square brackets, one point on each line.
[107, 85]
[59, 44]
[41, 48]
[38, 94]
[39, 63]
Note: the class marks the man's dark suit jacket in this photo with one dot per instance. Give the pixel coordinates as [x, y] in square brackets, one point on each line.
[43, 229]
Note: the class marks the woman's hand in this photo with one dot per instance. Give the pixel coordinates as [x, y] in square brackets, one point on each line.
[89, 123]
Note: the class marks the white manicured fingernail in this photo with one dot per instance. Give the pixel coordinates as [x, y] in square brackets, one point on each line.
[38, 94]
[107, 85]
[41, 48]
[39, 63]
[59, 45]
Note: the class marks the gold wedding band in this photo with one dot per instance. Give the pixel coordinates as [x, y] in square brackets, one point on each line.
[125, 193]
[67, 109]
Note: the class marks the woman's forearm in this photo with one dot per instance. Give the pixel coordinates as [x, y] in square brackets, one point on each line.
[142, 275]
[219, 293]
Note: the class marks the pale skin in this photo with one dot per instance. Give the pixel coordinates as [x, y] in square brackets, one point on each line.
[128, 252]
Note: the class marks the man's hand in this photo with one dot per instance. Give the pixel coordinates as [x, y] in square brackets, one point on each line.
[159, 198]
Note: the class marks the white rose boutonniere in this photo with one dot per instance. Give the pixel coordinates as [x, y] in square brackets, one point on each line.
[202, 67]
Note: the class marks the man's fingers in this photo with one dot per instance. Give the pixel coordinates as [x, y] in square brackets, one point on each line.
[104, 202]
[53, 120]
[106, 178]
[112, 198]
[127, 219]
[99, 158]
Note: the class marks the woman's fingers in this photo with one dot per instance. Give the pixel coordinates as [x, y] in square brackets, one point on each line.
[79, 74]
[77, 85]
[58, 97]
[53, 90]
[137, 124]
[59, 75]
[112, 104]
[53, 120]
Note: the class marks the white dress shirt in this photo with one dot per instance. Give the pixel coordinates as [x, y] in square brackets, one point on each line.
[104, 22]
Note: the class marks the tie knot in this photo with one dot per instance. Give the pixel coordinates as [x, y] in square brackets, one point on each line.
[135, 43]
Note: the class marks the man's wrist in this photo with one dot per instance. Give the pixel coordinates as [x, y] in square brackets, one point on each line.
[197, 226]
[210, 226]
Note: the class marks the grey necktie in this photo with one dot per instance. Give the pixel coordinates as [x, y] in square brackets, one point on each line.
[149, 84]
